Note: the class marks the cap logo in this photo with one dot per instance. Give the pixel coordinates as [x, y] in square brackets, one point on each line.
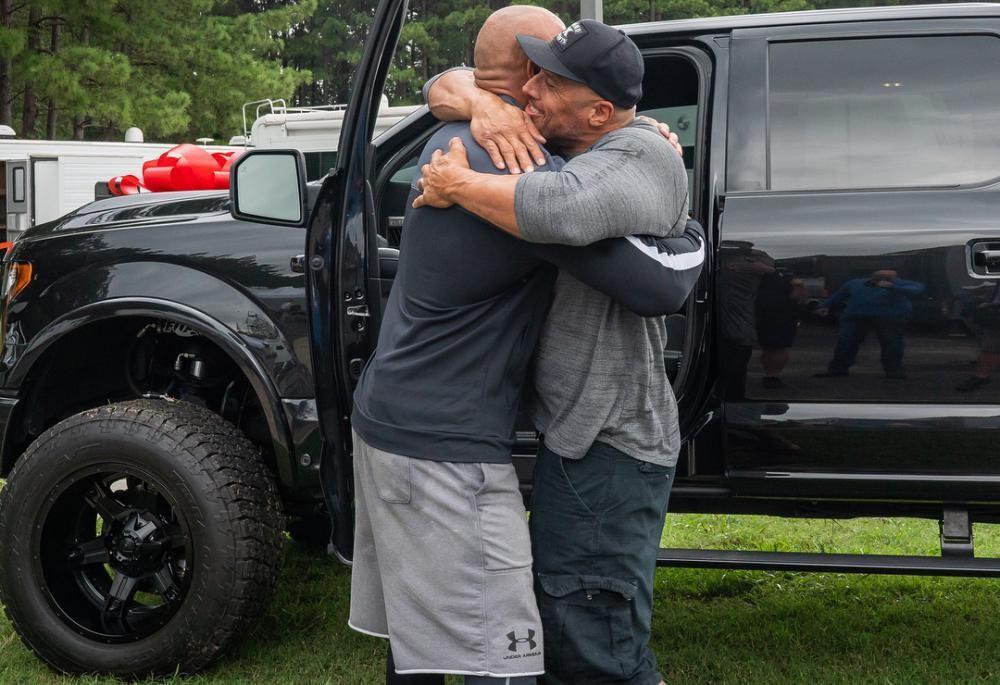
[573, 33]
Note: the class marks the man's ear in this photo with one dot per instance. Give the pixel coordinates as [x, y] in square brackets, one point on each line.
[601, 113]
[529, 70]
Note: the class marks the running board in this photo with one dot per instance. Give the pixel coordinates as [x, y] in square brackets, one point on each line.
[835, 563]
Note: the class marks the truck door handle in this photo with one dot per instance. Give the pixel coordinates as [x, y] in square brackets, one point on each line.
[298, 264]
[988, 258]
[984, 258]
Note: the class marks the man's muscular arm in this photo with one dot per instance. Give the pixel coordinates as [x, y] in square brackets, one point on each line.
[649, 276]
[506, 133]
[448, 181]
[599, 209]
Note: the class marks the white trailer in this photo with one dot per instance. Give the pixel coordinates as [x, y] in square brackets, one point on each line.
[313, 130]
[41, 180]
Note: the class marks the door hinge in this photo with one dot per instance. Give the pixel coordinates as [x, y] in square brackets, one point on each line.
[360, 314]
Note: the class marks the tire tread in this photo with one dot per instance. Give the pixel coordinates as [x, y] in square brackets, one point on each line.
[239, 478]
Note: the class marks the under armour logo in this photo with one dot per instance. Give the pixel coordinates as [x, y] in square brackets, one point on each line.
[570, 35]
[515, 641]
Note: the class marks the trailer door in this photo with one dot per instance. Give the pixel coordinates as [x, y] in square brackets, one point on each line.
[15, 175]
[45, 192]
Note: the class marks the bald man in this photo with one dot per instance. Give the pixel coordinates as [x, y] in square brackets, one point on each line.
[442, 558]
[602, 400]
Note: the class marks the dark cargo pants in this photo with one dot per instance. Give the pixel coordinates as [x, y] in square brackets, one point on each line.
[854, 330]
[595, 530]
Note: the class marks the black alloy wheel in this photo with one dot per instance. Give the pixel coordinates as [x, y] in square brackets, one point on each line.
[115, 553]
[136, 539]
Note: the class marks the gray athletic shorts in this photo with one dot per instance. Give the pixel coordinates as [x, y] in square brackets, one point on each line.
[442, 565]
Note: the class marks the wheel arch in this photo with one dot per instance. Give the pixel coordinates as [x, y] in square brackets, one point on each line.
[215, 331]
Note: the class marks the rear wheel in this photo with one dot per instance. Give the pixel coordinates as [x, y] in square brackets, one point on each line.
[138, 538]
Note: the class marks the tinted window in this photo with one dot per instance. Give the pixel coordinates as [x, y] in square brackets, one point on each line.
[670, 94]
[318, 164]
[884, 112]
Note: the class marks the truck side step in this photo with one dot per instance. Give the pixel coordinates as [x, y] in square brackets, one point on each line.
[834, 563]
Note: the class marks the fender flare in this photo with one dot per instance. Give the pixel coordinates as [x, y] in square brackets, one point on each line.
[220, 334]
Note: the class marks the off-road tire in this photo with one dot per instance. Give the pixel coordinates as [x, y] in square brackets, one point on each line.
[218, 481]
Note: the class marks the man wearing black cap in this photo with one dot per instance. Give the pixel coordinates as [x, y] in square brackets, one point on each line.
[442, 557]
[603, 401]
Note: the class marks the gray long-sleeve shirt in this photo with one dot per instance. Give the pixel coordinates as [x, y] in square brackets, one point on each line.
[599, 373]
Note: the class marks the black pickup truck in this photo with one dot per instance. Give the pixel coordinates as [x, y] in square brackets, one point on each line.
[175, 382]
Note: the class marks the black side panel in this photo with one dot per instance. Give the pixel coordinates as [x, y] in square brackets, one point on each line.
[868, 400]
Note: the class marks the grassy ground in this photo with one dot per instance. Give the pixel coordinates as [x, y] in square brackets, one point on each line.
[710, 626]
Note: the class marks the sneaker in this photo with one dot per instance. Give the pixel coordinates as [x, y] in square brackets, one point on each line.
[772, 382]
[972, 383]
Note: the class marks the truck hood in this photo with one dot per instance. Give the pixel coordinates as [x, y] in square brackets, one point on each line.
[141, 210]
[133, 210]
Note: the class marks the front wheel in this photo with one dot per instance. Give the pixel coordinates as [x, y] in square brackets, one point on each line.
[140, 538]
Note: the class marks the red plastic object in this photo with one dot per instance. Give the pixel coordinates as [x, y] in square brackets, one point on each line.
[183, 167]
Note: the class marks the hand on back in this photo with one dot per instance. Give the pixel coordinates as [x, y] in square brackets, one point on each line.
[437, 177]
[665, 131]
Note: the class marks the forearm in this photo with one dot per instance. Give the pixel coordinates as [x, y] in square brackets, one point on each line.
[450, 95]
[908, 287]
[650, 277]
[490, 197]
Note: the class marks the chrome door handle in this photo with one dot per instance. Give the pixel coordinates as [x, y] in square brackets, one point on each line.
[984, 258]
[988, 258]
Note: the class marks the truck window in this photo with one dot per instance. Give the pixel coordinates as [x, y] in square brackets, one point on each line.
[318, 164]
[670, 95]
[883, 112]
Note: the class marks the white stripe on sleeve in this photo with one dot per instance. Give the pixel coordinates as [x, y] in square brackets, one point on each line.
[677, 262]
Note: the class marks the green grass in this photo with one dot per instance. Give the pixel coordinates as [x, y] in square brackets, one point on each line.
[709, 627]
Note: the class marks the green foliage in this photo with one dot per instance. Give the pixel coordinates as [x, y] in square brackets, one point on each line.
[178, 69]
[181, 69]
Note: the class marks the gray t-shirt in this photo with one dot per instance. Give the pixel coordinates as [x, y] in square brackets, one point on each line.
[598, 371]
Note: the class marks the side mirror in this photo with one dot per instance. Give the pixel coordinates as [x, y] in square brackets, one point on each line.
[269, 186]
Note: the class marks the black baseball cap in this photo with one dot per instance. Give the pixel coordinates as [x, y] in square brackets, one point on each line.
[594, 54]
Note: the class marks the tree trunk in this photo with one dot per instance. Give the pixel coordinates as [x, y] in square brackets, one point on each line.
[6, 66]
[29, 113]
[80, 120]
[50, 122]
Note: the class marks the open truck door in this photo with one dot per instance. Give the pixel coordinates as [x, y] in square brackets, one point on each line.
[337, 258]
[342, 297]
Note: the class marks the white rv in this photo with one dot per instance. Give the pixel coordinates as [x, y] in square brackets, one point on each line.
[41, 180]
[313, 130]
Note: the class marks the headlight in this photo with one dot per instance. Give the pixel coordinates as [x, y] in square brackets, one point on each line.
[18, 277]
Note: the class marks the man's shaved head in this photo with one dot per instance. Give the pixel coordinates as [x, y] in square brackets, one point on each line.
[500, 63]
